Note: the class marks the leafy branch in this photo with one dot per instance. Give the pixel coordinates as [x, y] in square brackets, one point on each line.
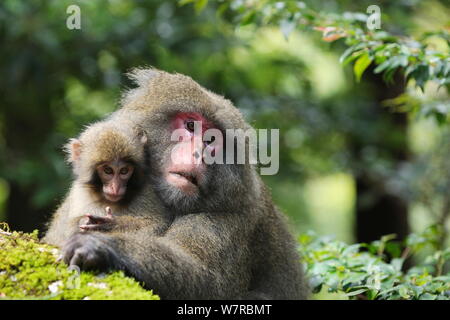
[389, 53]
[342, 268]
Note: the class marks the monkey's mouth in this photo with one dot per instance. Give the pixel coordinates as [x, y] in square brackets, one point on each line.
[186, 181]
[186, 175]
[113, 198]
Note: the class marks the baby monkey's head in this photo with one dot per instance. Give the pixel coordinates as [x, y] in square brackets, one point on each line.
[110, 159]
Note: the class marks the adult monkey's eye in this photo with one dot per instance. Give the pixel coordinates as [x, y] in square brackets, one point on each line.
[124, 170]
[190, 125]
[108, 170]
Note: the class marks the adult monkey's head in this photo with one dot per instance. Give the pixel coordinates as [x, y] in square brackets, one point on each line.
[187, 127]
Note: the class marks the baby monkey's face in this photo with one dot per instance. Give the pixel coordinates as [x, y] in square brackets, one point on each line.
[114, 176]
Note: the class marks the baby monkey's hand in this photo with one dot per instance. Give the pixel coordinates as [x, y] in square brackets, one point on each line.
[92, 222]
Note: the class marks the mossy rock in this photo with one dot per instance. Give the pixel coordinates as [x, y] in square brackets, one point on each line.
[29, 270]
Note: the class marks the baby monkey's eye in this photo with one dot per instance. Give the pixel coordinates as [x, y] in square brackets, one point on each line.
[190, 125]
[124, 170]
[108, 170]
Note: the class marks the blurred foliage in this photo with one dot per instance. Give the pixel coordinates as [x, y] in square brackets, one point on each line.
[368, 275]
[416, 59]
[302, 67]
[57, 80]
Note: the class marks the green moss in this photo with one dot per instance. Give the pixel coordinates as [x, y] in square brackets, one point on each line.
[29, 270]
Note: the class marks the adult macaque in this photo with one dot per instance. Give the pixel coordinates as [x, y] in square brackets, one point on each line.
[227, 240]
[110, 192]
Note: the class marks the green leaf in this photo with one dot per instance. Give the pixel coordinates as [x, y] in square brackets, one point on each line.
[355, 55]
[382, 66]
[397, 263]
[356, 292]
[427, 296]
[361, 65]
[394, 249]
[352, 249]
[351, 52]
[372, 294]
[404, 292]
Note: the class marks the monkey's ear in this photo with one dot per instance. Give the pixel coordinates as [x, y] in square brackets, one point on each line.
[73, 149]
[143, 76]
[143, 137]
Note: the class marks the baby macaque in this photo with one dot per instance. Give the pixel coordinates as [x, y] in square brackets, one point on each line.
[110, 191]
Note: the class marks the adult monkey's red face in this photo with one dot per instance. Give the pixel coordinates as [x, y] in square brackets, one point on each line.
[186, 169]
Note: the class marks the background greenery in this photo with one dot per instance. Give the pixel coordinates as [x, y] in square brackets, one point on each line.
[358, 159]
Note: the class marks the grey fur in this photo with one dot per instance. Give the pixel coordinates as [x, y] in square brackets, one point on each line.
[229, 242]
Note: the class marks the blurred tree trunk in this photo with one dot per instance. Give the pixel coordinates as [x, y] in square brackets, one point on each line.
[378, 210]
[22, 214]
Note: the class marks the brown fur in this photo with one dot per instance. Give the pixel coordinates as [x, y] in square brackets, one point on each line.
[228, 243]
[100, 142]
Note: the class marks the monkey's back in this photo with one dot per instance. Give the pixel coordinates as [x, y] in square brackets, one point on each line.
[276, 269]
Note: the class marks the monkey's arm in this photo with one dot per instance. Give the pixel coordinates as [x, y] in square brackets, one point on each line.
[125, 223]
[61, 226]
[65, 223]
[200, 256]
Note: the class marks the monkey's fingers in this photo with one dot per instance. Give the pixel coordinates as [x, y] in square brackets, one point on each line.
[94, 219]
[75, 268]
[87, 227]
[76, 261]
[93, 227]
[109, 212]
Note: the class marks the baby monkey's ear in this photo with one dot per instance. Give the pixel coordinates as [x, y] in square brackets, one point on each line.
[142, 135]
[73, 150]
